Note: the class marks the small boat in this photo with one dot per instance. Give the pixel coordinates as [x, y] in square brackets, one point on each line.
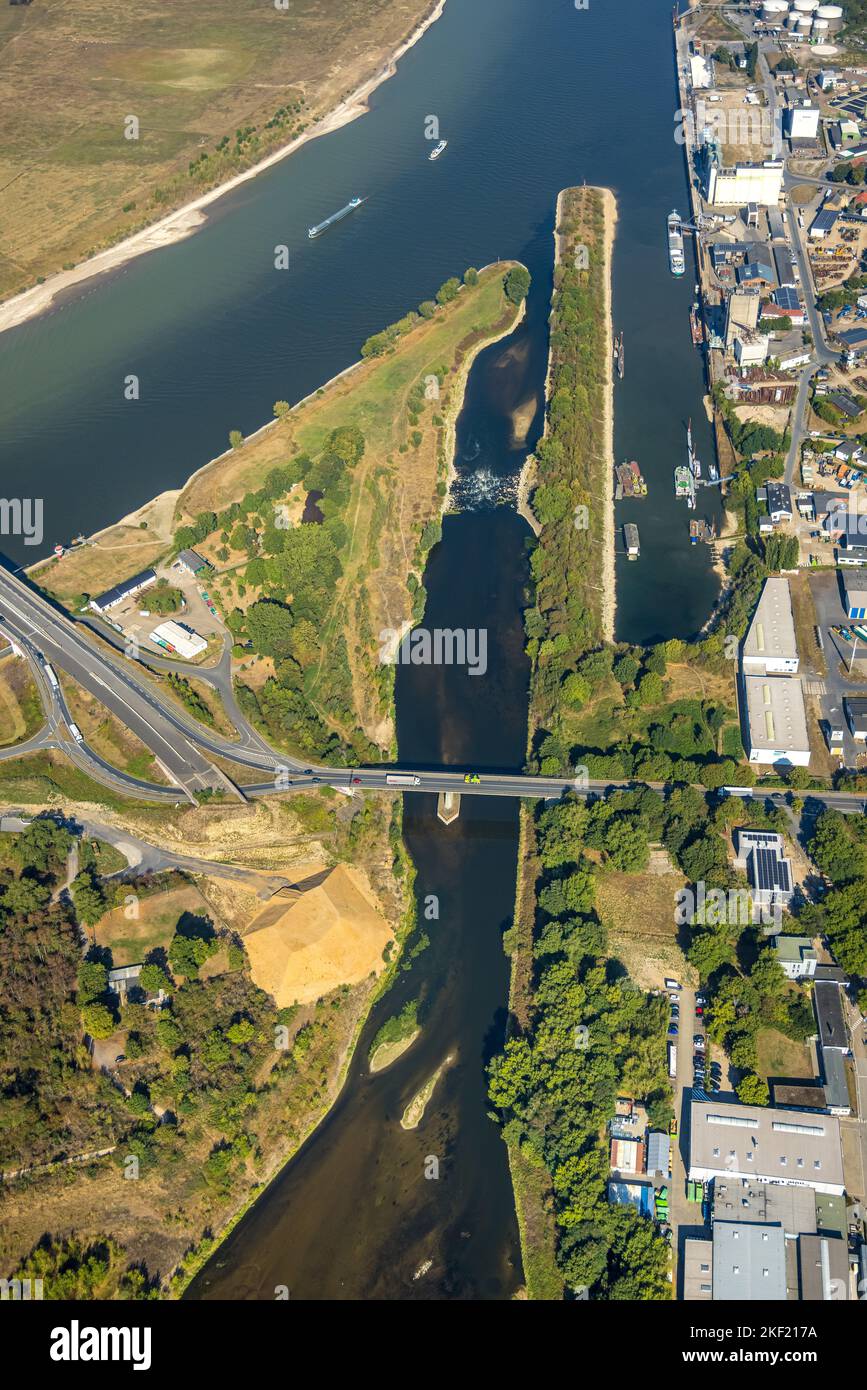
[630, 537]
[423, 1269]
[682, 481]
[619, 358]
[693, 532]
[694, 462]
[695, 325]
[438, 149]
[713, 472]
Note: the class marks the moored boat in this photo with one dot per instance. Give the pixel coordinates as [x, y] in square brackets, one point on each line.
[675, 243]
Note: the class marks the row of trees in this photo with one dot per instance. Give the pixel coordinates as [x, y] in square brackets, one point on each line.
[593, 1035]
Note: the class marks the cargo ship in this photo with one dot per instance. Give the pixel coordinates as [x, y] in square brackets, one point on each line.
[630, 482]
[675, 243]
[438, 149]
[695, 324]
[334, 218]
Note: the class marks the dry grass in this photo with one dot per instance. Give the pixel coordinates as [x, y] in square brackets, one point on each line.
[20, 708]
[104, 732]
[781, 1056]
[71, 183]
[130, 939]
[638, 910]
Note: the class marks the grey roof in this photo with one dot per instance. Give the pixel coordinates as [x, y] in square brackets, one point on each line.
[785, 265]
[779, 497]
[775, 223]
[127, 586]
[755, 270]
[771, 1204]
[657, 1152]
[824, 220]
[771, 634]
[829, 1015]
[764, 1145]
[794, 948]
[853, 337]
[193, 559]
[834, 1078]
[749, 1262]
[824, 1269]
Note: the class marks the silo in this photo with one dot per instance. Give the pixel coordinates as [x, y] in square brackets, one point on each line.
[820, 29]
[805, 25]
[792, 19]
[834, 16]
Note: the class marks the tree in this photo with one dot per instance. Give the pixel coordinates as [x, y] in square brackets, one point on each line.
[153, 978]
[281, 409]
[448, 290]
[517, 284]
[753, 1090]
[269, 626]
[236, 439]
[88, 897]
[98, 1021]
[471, 276]
[92, 981]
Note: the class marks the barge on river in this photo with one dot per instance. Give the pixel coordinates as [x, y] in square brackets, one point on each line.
[334, 218]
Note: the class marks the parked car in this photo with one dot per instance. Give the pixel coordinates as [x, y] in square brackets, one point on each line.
[672, 1030]
[698, 1041]
[699, 1011]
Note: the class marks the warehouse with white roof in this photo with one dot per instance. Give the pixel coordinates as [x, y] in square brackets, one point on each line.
[775, 720]
[770, 647]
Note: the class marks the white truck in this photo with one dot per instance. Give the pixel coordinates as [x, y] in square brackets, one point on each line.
[672, 1060]
[76, 733]
[401, 779]
[52, 679]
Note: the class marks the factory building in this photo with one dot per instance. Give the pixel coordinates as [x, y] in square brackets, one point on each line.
[770, 647]
[775, 721]
[744, 183]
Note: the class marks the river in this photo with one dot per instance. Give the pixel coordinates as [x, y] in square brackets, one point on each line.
[533, 95]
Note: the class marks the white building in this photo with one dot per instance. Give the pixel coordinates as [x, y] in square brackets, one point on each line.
[745, 183]
[700, 73]
[759, 1144]
[776, 721]
[802, 121]
[183, 639]
[751, 349]
[770, 647]
[797, 956]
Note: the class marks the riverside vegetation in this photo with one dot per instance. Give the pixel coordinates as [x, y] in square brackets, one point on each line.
[215, 1089]
[665, 714]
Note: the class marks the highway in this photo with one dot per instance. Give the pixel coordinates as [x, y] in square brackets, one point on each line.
[181, 745]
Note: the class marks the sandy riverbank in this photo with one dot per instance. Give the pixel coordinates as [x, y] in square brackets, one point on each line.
[181, 223]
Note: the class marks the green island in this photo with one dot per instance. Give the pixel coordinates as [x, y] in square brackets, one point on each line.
[395, 1037]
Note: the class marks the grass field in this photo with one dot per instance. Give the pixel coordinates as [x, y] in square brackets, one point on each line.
[639, 912]
[781, 1056]
[130, 939]
[21, 713]
[108, 736]
[72, 182]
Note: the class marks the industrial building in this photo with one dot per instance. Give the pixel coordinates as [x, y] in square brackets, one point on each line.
[112, 597]
[742, 314]
[855, 707]
[743, 183]
[770, 647]
[180, 638]
[802, 121]
[761, 1145]
[775, 720]
[856, 602]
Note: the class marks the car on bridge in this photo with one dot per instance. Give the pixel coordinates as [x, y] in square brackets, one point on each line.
[472, 777]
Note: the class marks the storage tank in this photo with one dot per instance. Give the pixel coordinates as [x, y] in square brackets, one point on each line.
[806, 6]
[834, 16]
[805, 24]
[820, 29]
[792, 18]
[773, 11]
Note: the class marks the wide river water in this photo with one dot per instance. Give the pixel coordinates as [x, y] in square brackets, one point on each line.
[532, 95]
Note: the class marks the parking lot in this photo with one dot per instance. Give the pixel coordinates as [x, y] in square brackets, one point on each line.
[830, 689]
